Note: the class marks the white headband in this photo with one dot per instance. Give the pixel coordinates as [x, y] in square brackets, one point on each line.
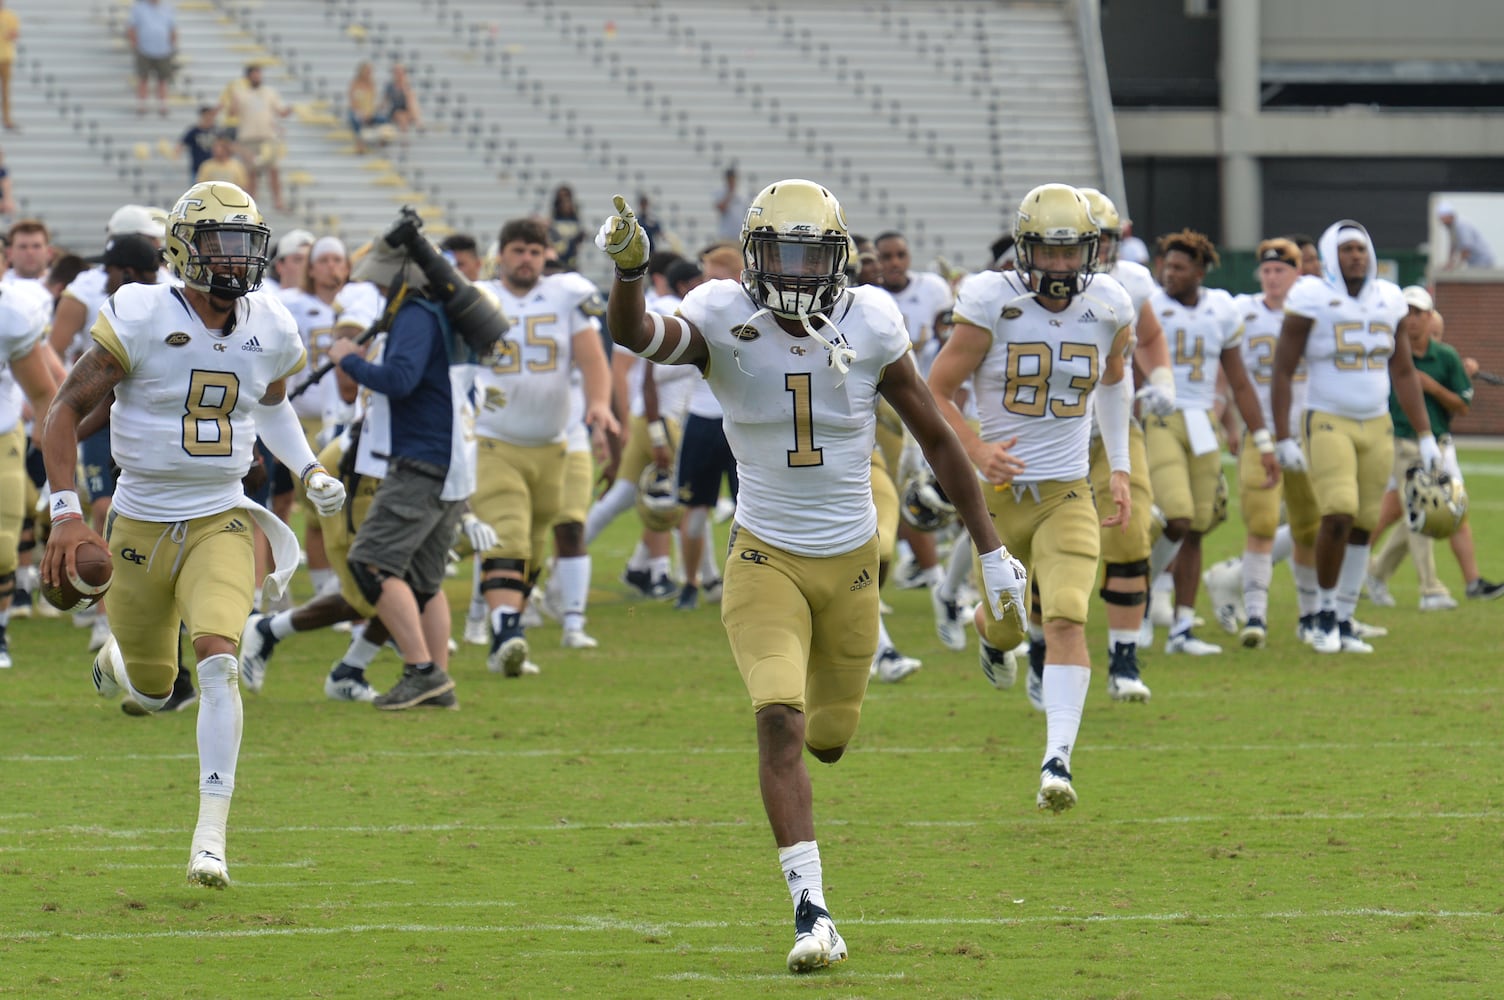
[326, 244]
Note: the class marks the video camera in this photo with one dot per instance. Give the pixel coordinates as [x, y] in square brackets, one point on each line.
[472, 314]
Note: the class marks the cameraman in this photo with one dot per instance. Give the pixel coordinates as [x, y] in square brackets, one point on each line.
[422, 378]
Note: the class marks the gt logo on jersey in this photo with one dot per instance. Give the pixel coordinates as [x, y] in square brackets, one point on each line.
[132, 556]
[754, 556]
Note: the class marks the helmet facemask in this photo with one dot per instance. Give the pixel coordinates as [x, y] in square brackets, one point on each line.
[227, 259]
[1110, 242]
[794, 276]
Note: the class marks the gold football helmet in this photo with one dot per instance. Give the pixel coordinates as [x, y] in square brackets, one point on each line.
[658, 499]
[1056, 239]
[1435, 503]
[217, 240]
[1110, 223]
[794, 249]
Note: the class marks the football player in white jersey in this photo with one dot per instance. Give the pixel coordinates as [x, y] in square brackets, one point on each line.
[797, 361]
[197, 373]
[923, 297]
[521, 430]
[25, 308]
[1038, 344]
[1204, 329]
[1343, 325]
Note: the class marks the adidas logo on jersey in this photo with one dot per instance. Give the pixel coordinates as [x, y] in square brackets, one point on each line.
[236, 526]
[863, 581]
[1087, 317]
[252, 345]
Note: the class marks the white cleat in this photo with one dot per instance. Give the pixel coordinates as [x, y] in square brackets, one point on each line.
[1224, 585]
[999, 666]
[348, 688]
[1188, 644]
[106, 667]
[477, 632]
[577, 639]
[1254, 634]
[254, 650]
[509, 657]
[1055, 790]
[99, 633]
[532, 615]
[950, 621]
[1123, 687]
[1324, 639]
[1365, 631]
[890, 666]
[1350, 642]
[817, 943]
[1161, 609]
[209, 871]
[1438, 602]
[1378, 592]
[1146, 633]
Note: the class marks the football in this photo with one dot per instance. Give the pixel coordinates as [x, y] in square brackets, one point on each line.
[88, 584]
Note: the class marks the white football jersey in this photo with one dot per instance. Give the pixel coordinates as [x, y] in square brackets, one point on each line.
[182, 427]
[315, 319]
[926, 296]
[1037, 378]
[88, 290]
[1136, 281]
[25, 316]
[1260, 337]
[1196, 336]
[1347, 352]
[802, 432]
[524, 384]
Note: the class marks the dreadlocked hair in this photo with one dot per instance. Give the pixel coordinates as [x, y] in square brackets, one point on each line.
[1194, 245]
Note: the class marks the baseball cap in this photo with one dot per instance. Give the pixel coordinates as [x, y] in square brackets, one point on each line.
[292, 242]
[131, 250]
[1445, 208]
[136, 219]
[1418, 297]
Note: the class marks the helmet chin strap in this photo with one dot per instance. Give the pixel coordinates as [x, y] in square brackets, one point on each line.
[839, 355]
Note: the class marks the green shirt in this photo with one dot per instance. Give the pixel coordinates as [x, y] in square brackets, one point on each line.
[1443, 364]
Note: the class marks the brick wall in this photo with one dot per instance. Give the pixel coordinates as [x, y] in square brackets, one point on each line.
[1474, 311]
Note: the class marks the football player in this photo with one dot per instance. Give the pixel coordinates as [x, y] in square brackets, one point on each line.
[203, 369]
[1204, 329]
[1343, 325]
[25, 308]
[797, 360]
[1038, 344]
[522, 430]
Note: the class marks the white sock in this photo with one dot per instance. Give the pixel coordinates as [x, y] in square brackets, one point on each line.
[884, 641]
[573, 574]
[1036, 632]
[1065, 688]
[1350, 579]
[613, 503]
[1122, 637]
[1284, 544]
[1161, 555]
[498, 612]
[957, 569]
[1305, 587]
[1326, 598]
[710, 570]
[361, 652]
[660, 566]
[321, 579]
[477, 610]
[640, 558]
[801, 870]
[281, 625]
[220, 719]
[1258, 567]
[1184, 617]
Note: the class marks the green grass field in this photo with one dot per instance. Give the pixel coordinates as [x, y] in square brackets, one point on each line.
[1272, 824]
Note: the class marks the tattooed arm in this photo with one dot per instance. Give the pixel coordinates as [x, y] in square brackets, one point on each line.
[94, 376]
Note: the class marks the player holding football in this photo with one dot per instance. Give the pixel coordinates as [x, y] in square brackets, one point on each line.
[798, 360]
[197, 374]
[1040, 345]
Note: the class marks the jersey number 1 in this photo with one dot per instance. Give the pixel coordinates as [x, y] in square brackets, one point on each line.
[206, 414]
[804, 454]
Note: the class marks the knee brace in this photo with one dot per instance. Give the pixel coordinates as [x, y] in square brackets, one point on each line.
[511, 565]
[368, 580]
[505, 583]
[1125, 571]
[1124, 598]
[7, 585]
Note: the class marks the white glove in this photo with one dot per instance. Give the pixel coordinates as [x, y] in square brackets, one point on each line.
[1007, 585]
[1430, 453]
[1289, 455]
[1155, 401]
[481, 535]
[326, 492]
[622, 238]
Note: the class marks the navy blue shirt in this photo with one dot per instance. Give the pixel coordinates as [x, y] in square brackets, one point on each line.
[200, 145]
[413, 374]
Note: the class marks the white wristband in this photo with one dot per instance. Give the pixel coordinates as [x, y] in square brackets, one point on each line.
[1263, 441]
[64, 504]
[658, 434]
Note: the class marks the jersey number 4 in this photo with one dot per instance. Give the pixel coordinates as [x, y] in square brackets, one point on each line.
[206, 414]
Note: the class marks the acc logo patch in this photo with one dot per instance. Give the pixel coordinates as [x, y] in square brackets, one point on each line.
[1250, 317]
[177, 339]
[1012, 312]
[1167, 313]
[745, 332]
[1335, 303]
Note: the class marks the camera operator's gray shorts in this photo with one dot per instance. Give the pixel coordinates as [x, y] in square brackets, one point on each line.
[408, 531]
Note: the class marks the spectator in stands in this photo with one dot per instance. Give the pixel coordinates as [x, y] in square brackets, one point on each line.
[10, 30]
[7, 197]
[1131, 247]
[564, 230]
[257, 109]
[223, 166]
[730, 207]
[1466, 246]
[153, 33]
[365, 108]
[199, 140]
[465, 252]
[401, 102]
